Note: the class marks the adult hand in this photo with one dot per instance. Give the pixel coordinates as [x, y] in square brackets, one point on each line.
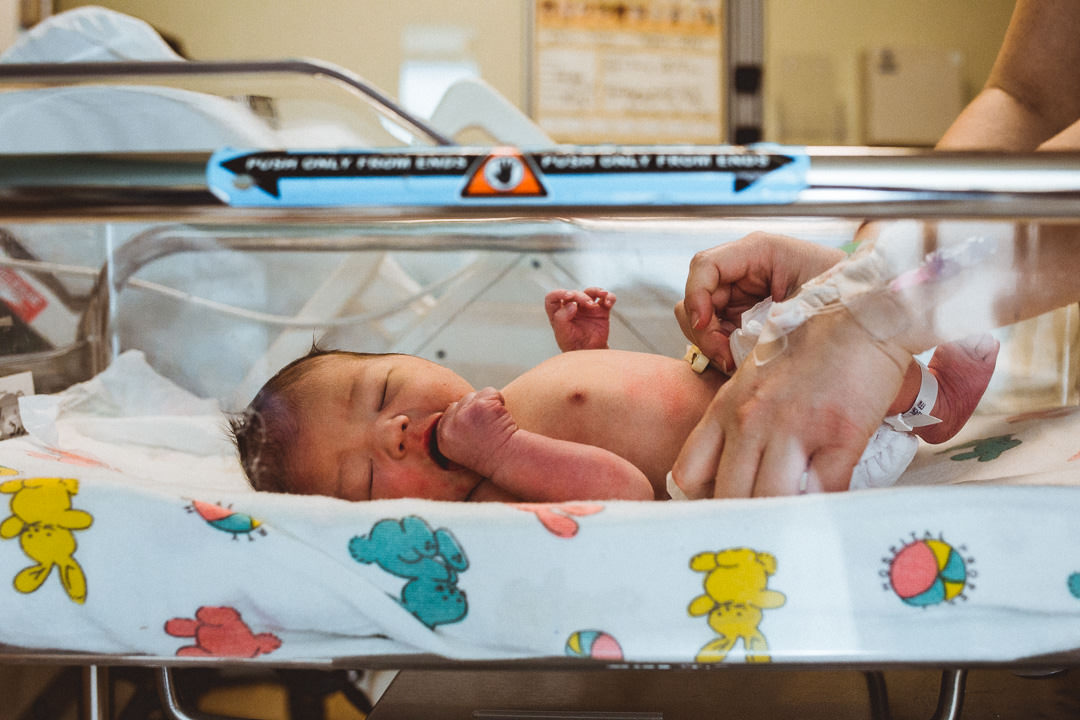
[798, 422]
[729, 279]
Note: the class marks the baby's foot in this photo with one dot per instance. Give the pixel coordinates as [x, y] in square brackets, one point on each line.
[963, 371]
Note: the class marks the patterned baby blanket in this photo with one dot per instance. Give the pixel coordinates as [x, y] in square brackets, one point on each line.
[126, 529]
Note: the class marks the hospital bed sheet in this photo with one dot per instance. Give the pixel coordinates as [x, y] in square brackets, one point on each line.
[126, 529]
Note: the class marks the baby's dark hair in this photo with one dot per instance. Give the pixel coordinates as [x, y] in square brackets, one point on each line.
[265, 431]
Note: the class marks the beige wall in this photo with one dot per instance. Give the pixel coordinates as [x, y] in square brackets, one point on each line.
[361, 35]
[9, 22]
[365, 36]
[833, 33]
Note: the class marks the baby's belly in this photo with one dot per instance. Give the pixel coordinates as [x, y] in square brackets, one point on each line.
[639, 406]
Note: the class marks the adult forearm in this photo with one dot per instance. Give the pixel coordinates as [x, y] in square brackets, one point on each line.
[935, 285]
[1033, 92]
[996, 120]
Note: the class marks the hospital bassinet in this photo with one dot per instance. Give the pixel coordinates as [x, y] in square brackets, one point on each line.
[145, 307]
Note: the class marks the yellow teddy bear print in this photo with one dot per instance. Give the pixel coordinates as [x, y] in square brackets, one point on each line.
[43, 520]
[736, 592]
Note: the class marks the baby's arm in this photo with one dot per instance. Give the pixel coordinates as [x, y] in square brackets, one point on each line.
[479, 433]
[580, 318]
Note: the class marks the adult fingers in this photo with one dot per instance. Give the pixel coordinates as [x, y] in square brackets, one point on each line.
[703, 304]
[830, 468]
[694, 470]
[705, 278]
[713, 340]
[738, 465]
[783, 468]
[684, 320]
[747, 265]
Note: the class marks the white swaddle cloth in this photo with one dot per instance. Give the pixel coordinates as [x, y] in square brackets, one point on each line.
[887, 454]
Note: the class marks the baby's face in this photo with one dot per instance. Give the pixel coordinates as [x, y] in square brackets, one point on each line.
[367, 430]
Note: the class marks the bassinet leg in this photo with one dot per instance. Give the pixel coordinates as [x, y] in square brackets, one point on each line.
[951, 696]
[879, 695]
[170, 700]
[95, 693]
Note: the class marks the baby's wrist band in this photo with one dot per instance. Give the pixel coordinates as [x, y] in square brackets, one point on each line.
[918, 415]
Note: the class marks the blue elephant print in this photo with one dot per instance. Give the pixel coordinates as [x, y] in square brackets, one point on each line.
[429, 559]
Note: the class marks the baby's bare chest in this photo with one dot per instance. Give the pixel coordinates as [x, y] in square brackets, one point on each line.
[604, 397]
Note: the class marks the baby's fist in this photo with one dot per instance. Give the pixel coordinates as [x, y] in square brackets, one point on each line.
[580, 318]
[474, 428]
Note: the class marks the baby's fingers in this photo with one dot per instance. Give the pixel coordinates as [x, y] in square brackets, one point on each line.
[489, 394]
[565, 312]
[603, 297]
[448, 417]
[556, 299]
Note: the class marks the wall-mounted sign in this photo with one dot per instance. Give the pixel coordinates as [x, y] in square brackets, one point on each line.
[641, 71]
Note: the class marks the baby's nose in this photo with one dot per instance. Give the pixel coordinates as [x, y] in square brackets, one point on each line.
[396, 436]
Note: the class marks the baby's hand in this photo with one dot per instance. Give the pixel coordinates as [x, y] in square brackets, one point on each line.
[474, 429]
[580, 319]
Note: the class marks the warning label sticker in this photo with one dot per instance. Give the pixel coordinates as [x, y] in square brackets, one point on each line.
[504, 172]
[597, 176]
[267, 170]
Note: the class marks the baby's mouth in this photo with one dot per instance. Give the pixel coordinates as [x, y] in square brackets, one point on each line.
[441, 460]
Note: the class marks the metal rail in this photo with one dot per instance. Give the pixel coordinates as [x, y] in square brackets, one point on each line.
[21, 74]
[863, 183]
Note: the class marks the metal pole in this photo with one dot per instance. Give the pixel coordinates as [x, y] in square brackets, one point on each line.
[170, 700]
[95, 693]
[951, 696]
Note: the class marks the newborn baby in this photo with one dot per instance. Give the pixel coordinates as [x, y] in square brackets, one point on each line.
[589, 424]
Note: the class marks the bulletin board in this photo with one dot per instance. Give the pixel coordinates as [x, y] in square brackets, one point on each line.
[629, 71]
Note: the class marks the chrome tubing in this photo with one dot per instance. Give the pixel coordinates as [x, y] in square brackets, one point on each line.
[60, 73]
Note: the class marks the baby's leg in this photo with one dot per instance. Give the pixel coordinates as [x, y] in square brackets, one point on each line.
[963, 371]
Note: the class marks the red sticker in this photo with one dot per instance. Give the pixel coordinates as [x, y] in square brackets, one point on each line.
[25, 301]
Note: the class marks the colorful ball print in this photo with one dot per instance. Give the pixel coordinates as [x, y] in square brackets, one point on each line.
[594, 644]
[928, 572]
